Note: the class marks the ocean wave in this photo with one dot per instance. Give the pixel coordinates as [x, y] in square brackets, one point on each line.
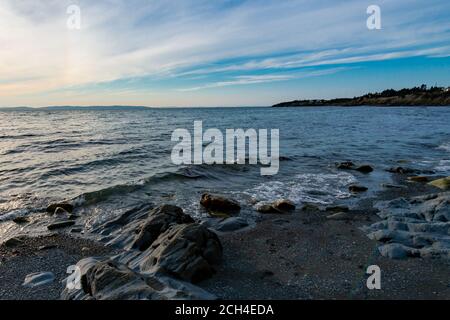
[445, 146]
[315, 188]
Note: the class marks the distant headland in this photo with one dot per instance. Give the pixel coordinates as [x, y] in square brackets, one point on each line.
[417, 96]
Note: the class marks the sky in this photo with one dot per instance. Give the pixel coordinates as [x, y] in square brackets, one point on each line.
[182, 53]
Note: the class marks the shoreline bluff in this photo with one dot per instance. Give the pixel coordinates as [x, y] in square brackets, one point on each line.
[308, 252]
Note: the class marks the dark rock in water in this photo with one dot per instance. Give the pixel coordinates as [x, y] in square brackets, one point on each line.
[310, 207]
[279, 206]
[364, 169]
[420, 179]
[61, 211]
[337, 209]
[65, 206]
[159, 220]
[13, 242]
[21, 220]
[219, 204]
[357, 189]
[392, 186]
[186, 251]
[347, 165]
[76, 230]
[60, 225]
[283, 205]
[266, 209]
[401, 170]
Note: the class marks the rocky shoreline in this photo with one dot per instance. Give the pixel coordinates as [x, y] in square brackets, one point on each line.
[307, 252]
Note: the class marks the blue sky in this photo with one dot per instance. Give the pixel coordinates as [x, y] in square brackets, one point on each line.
[216, 52]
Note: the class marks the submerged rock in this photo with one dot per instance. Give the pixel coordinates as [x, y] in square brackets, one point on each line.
[337, 209]
[364, 169]
[51, 209]
[443, 184]
[158, 221]
[278, 206]
[215, 203]
[283, 205]
[348, 165]
[186, 251]
[357, 189]
[38, 279]
[421, 179]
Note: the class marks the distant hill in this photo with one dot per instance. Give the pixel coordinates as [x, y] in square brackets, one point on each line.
[77, 108]
[418, 96]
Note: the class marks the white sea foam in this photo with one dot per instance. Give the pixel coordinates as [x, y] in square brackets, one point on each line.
[315, 188]
[445, 146]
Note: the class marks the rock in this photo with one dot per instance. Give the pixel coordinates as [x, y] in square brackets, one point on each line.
[443, 184]
[47, 247]
[392, 186]
[51, 209]
[393, 251]
[401, 170]
[230, 224]
[340, 216]
[364, 169]
[266, 209]
[337, 209]
[219, 204]
[13, 242]
[60, 225]
[38, 279]
[347, 165]
[357, 189]
[186, 251]
[159, 220]
[422, 179]
[61, 211]
[417, 227]
[112, 280]
[283, 205]
[21, 220]
[310, 207]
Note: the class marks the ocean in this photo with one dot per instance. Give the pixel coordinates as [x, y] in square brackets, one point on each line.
[108, 162]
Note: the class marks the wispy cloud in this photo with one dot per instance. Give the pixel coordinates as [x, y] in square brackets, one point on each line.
[201, 44]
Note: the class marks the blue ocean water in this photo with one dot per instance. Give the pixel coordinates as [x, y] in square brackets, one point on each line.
[110, 161]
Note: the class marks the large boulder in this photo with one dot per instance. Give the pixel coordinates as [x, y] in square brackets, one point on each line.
[187, 251]
[113, 280]
[219, 204]
[158, 221]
